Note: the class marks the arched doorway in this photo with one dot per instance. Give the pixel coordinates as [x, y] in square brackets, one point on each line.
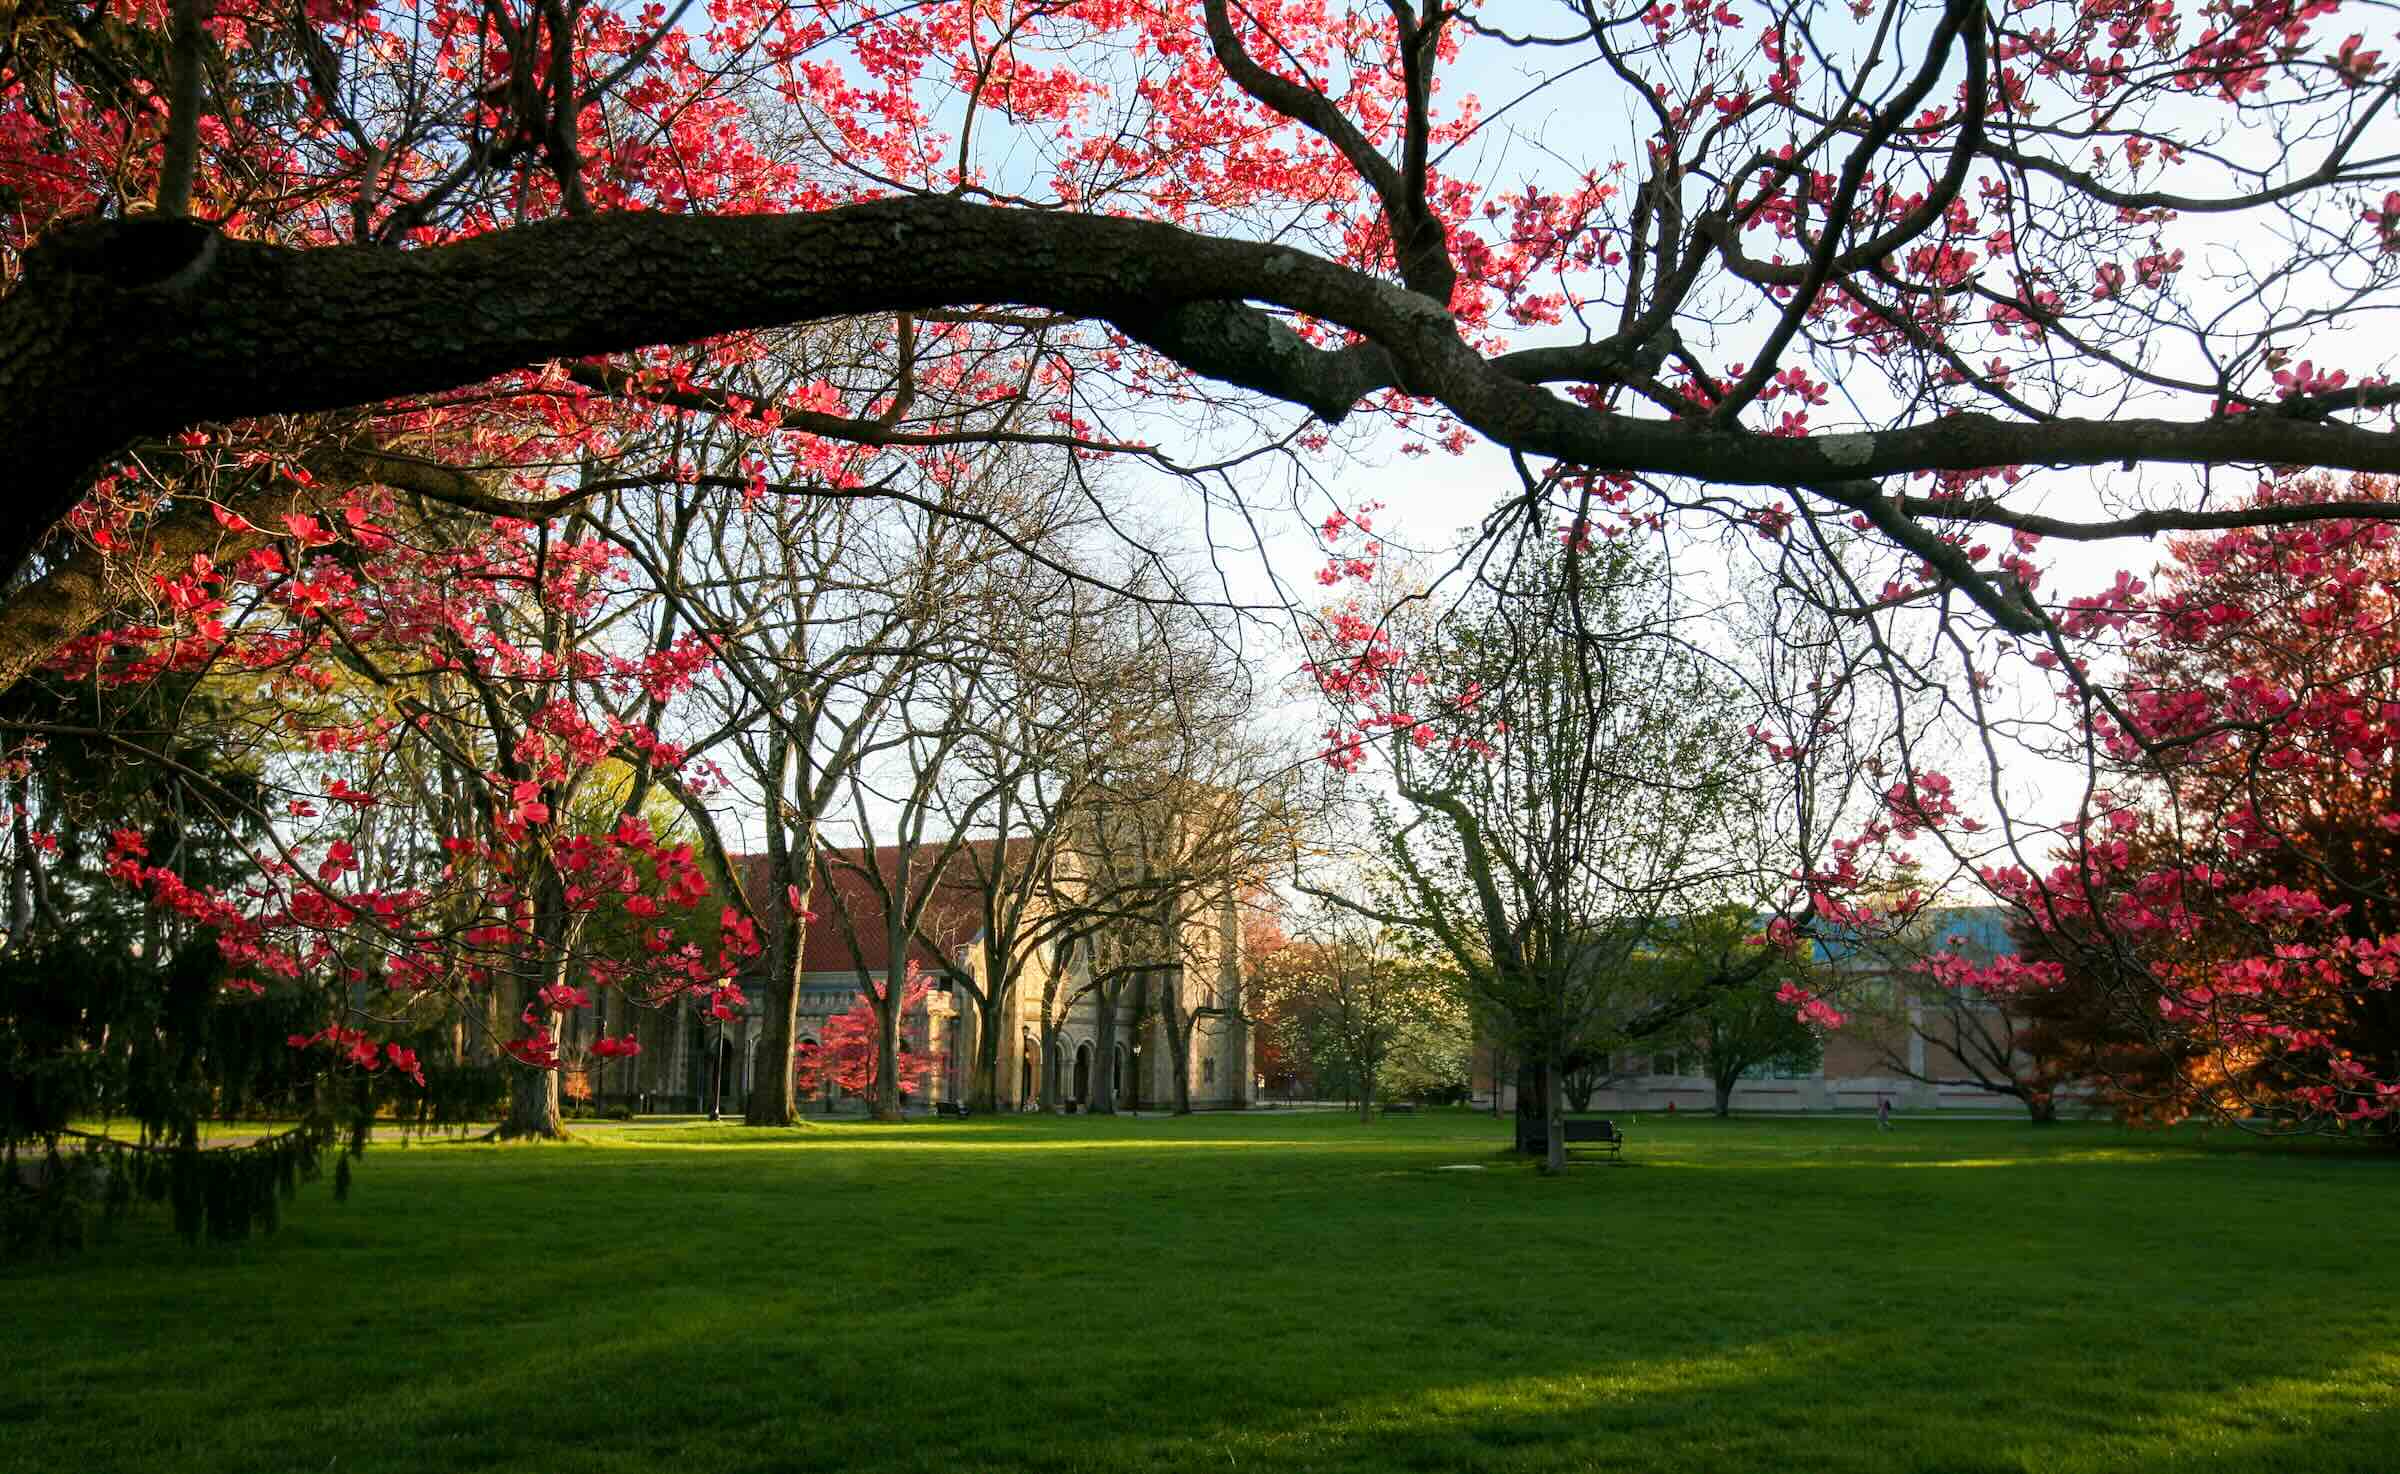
[1025, 1084]
[1116, 1079]
[1083, 1073]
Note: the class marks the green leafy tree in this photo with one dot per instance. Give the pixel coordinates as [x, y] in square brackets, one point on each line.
[1430, 1055]
[1734, 1027]
[1746, 1029]
[1589, 782]
[1371, 1011]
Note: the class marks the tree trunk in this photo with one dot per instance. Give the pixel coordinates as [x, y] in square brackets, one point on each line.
[1556, 1160]
[774, 1101]
[1047, 1046]
[1135, 1022]
[534, 1098]
[1532, 1110]
[884, 1094]
[1104, 1048]
[887, 1054]
[1366, 1101]
[532, 1093]
[1724, 1099]
[983, 1080]
[532, 1104]
[1177, 1030]
[1176, 1024]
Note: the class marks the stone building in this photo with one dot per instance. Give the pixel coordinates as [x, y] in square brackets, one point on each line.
[688, 1058]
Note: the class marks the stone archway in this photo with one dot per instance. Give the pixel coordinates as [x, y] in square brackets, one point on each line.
[1083, 1073]
[1116, 1079]
[1025, 1069]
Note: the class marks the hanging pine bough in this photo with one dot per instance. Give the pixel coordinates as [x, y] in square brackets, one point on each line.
[89, 1030]
[55, 1201]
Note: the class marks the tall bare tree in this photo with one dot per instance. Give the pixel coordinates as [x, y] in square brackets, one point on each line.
[821, 607]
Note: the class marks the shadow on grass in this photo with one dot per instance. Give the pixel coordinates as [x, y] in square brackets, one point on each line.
[752, 1391]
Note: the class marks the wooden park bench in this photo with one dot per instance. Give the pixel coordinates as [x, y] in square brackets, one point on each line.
[950, 1108]
[1599, 1136]
[1401, 1108]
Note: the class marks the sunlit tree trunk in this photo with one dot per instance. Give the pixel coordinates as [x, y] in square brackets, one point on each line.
[983, 1076]
[1049, 1043]
[533, 1094]
[791, 871]
[1175, 1028]
[886, 1096]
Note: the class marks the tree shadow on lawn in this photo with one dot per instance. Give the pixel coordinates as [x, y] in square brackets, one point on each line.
[1345, 1309]
[1871, 1402]
[1877, 1403]
[2047, 1320]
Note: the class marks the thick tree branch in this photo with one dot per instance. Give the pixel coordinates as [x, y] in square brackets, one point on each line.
[136, 329]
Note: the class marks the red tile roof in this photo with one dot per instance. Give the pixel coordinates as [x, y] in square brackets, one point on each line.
[954, 917]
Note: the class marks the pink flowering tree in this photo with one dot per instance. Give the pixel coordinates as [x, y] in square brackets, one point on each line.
[429, 699]
[2223, 892]
[847, 1053]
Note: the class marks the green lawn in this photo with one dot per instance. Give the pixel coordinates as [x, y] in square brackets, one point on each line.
[1250, 1292]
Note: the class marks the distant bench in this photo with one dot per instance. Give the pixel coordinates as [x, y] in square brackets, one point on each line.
[1599, 1136]
[950, 1108]
[1401, 1108]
